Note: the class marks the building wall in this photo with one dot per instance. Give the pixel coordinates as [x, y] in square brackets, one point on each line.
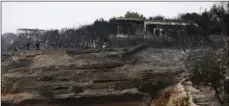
[166, 30]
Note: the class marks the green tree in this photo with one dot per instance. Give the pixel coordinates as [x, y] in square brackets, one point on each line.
[220, 14]
[212, 71]
[131, 14]
[208, 73]
[190, 17]
[158, 18]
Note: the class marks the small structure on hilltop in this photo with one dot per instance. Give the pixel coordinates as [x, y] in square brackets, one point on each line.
[128, 26]
[148, 28]
[34, 34]
[27, 37]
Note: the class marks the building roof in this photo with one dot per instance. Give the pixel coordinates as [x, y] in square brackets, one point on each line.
[161, 22]
[121, 19]
[131, 19]
[28, 29]
[167, 23]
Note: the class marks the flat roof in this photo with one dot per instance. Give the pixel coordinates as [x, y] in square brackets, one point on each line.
[127, 20]
[131, 19]
[28, 29]
[163, 22]
[167, 23]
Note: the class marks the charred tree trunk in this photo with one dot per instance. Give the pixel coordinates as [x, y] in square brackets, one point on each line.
[217, 94]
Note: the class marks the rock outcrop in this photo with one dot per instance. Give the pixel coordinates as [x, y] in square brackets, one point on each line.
[64, 78]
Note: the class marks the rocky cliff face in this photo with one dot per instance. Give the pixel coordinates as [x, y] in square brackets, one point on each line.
[65, 78]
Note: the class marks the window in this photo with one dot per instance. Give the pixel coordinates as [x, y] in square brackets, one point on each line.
[158, 31]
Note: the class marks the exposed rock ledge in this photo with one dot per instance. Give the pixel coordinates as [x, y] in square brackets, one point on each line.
[29, 78]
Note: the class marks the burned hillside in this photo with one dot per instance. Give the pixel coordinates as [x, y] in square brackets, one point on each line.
[129, 60]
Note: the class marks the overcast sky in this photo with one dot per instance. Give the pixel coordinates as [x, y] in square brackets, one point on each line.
[56, 15]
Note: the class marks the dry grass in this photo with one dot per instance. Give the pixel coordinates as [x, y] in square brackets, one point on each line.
[173, 96]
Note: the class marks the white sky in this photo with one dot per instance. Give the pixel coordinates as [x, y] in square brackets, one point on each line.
[56, 15]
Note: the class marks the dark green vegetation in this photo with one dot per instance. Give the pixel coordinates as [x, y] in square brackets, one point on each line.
[213, 72]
